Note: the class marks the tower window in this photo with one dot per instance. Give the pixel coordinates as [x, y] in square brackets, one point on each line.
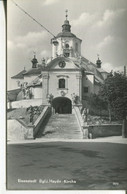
[66, 45]
[61, 83]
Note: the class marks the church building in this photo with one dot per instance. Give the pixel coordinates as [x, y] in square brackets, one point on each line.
[67, 78]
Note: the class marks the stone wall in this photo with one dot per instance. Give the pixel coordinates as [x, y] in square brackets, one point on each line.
[25, 103]
[105, 130]
[16, 130]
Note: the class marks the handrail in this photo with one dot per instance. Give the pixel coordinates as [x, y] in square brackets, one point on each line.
[81, 123]
[78, 117]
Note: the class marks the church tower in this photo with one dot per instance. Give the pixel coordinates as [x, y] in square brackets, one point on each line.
[66, 43]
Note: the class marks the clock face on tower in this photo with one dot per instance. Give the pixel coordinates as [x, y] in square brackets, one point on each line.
[62, 64]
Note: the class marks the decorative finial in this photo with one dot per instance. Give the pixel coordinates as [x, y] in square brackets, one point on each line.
[43, 61]
[98, 62]
[34, 54]
[34, 60]
[66, 13]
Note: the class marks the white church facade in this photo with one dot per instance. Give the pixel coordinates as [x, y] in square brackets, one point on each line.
[67, 79]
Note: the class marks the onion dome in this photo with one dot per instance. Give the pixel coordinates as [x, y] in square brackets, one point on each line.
[98, 62]
[66, 29]
[34, 62]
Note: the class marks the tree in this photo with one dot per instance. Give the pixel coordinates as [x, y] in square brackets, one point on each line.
[96, 104]
[114, 91]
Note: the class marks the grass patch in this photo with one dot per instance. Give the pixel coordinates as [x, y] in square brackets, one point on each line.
[23, 114]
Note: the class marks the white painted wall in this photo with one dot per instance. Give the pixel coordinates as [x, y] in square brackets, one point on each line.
[61, 45]
[96, 89]
[69, 65]
[71, 83]
[14, 83]
[37, 92]
[88, 81]
[25, 103]
[29, 78]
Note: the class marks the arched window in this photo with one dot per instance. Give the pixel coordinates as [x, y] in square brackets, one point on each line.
[61, 83]
[76, 47]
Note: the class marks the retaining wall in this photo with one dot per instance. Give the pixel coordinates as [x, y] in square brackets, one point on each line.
[25, 103]
[17, 130]
[105, 130]
[95, 131]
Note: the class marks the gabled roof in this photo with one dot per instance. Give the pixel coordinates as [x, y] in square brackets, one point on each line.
[33, 71]
[80, 63]
[57, 60]
[91, 67]
[20, 75]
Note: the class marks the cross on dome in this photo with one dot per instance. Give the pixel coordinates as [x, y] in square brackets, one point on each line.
[66, 14]
[34, 54]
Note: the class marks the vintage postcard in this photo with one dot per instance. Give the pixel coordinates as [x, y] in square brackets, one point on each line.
[66, 95]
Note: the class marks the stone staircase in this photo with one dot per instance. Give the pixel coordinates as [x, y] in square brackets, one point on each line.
[62, 126]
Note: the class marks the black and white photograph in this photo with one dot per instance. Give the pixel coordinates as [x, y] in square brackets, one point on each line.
[66, 95]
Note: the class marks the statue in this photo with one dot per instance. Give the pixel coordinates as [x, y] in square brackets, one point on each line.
[85, 114]
[50, 98]
[74, 98]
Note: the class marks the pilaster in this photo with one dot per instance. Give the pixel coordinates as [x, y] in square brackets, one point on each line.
[79, 81]
[45, 87]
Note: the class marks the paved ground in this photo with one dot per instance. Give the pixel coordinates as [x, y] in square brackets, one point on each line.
[67, 165]
[112, 139]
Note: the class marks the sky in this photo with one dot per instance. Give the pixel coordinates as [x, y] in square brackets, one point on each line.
[101, 24]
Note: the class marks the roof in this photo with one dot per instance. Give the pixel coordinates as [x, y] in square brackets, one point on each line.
[12, 94]
[36, 82]
[33, 71]
[102, 70]
[65, 34]
[59, 58]
[89, 66]
[19, 75]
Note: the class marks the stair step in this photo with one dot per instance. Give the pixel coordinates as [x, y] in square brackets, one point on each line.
[62, 126]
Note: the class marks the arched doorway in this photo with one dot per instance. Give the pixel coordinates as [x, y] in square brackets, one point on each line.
[62, 105]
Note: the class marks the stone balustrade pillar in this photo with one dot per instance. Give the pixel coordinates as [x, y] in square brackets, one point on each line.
[79, 82]
[45, 87]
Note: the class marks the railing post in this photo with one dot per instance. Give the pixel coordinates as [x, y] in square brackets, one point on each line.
[29, 134]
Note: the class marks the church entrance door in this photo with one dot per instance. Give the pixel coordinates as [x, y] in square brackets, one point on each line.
[62, 105]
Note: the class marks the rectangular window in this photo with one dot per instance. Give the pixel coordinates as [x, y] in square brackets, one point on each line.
[61, 83]
[85, 89]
